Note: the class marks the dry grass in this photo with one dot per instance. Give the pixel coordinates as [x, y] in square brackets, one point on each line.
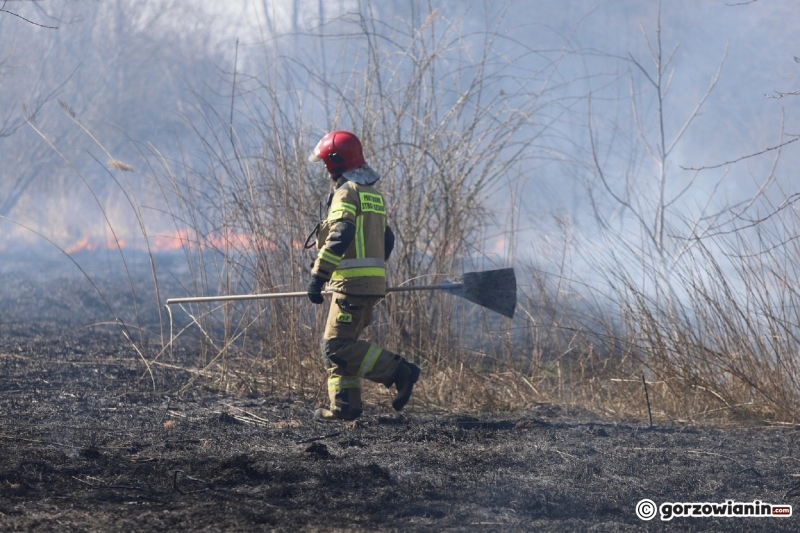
[715, 340]
[431, 123]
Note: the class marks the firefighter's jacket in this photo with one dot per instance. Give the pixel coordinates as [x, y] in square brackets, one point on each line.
[354, 241]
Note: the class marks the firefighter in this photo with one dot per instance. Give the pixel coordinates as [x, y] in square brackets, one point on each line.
[354, 242]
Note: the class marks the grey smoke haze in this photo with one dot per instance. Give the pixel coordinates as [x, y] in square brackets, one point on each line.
[133, 72]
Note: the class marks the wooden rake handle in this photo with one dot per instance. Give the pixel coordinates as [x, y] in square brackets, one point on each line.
[277, 295]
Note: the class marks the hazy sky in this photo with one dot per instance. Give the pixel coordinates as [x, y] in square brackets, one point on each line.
[757, 40]
[760, 35]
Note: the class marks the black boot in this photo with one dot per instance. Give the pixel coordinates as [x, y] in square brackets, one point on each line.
[407, 375]
[345, 405]
[326, 415]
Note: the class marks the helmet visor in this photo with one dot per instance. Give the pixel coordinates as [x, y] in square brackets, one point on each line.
[314, 157]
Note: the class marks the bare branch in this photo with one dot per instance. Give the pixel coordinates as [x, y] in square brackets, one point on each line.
[699, 105]
[770, 149]
[737, 211]
[637, 121]
[779, 95]
[644, 71]
[788, 202]
[4, 10]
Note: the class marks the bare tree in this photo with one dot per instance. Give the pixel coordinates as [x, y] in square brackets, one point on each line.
[112, 65]
[704, 293]
[15, 118]
[643, 195]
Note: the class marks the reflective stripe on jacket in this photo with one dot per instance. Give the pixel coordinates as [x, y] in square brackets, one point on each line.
[360, 270]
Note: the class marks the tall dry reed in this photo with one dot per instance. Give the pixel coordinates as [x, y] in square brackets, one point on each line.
[453, 133]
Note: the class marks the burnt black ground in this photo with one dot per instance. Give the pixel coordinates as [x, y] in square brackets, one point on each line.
[86, 444]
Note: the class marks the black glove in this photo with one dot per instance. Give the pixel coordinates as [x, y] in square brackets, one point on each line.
[314, 289]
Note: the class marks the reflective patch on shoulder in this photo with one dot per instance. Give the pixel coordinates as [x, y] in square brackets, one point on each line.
[340, 211]
[346, 318]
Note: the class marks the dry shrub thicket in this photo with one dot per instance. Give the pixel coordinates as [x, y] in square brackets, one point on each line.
[453, 136]
[443, 129]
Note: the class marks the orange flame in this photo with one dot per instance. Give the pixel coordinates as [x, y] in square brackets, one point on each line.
[85, 244]
[183, 238]
[172, 242]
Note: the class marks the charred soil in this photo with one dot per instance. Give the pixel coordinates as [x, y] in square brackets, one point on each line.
[88, 444]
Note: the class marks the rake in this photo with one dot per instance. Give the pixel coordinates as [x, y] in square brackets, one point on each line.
[495, 290]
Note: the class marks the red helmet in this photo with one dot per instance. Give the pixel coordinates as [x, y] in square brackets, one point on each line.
[340, 150]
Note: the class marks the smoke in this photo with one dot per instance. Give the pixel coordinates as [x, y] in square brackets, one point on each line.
[138, 80]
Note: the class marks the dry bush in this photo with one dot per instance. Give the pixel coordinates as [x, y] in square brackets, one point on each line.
[445, 131]
[713, 338]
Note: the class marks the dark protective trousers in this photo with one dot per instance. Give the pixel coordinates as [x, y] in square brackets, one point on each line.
[349, 359]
